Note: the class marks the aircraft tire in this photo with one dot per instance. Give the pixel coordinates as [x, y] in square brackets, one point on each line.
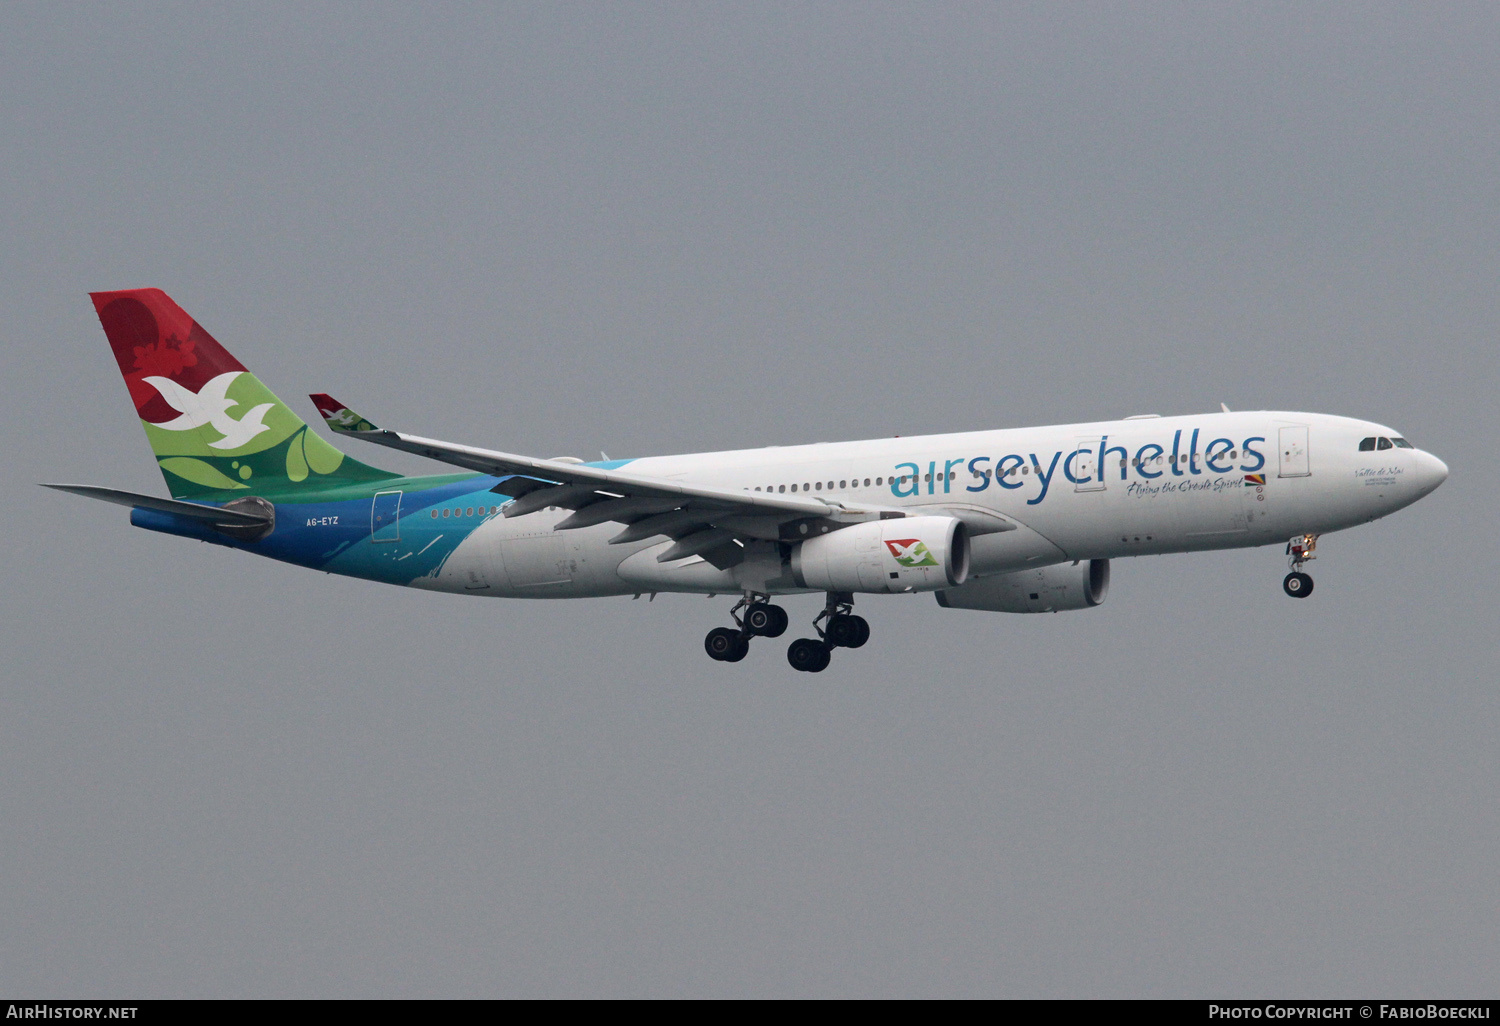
[766, 620]
[808, 655]
[864, 631]
[842, 631]
[1297, 585]
[722, 643]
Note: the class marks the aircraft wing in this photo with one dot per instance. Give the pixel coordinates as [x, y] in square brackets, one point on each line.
[713, 523]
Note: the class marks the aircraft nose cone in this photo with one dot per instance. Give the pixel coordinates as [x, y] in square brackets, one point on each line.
[1431, 472]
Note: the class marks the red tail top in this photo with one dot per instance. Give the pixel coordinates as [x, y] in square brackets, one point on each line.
[153, 336]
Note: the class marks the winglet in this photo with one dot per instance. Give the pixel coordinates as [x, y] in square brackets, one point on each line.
[339, 417]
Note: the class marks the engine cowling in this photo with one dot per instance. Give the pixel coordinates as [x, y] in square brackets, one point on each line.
[1048, 589]
[910, 554]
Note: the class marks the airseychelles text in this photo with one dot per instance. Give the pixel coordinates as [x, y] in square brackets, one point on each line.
[1093, 460]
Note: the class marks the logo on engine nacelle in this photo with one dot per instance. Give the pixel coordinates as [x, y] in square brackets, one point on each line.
[910, 552]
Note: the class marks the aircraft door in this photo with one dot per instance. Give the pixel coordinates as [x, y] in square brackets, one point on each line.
[1292, 452]
[1085, 465]
[385, 517]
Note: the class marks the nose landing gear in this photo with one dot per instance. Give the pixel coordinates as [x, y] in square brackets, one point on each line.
[760, 618]
[1299, 550]
[837, 627]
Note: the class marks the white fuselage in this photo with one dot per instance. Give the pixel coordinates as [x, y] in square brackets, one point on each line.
[1071, 492]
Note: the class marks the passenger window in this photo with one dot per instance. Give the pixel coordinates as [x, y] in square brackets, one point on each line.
[1402, 443]
[434, 514]
[867, 482]
[1234, 454]
[782, 488]
[445, 513]
[794, 488]
[1367, 445]
[1383, 444]
[878, 480]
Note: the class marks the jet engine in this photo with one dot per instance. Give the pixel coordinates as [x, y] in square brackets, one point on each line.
[909, 554]
[1048, 589]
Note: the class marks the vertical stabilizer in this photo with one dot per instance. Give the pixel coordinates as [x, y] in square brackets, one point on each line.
[217, 432]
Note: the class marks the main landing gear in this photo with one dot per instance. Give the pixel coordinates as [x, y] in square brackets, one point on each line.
[760, 618]
[1299, 550]
[840, 629]
[755, 616]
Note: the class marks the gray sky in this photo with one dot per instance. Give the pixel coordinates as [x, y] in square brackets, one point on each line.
[643, 228]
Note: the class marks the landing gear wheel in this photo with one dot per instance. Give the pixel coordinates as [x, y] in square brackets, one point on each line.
[864, 631]
[766, 620]
[808, 655]
[726, 644]
[1297, 585]
[842, 631]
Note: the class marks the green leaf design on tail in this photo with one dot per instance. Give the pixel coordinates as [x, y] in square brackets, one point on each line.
[296, 463]
[199, 473]
[322, 458]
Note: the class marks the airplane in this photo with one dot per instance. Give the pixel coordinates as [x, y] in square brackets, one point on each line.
[1023, 520]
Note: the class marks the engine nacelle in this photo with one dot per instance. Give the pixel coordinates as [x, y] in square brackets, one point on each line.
[1048, 589]
[910, 554]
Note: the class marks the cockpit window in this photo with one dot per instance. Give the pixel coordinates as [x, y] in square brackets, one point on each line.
[1402, 443]
[1383, 444]
[1367, 445]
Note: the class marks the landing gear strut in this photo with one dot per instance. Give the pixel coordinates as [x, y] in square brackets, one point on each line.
[731, 644]
[1299, 550]
[837, 627]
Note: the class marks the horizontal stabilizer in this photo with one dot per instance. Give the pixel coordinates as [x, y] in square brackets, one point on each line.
[196, 511]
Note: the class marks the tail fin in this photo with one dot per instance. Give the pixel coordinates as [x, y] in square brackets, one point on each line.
[216, 430]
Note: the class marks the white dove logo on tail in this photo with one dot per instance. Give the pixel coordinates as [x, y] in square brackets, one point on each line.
[209, 406]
